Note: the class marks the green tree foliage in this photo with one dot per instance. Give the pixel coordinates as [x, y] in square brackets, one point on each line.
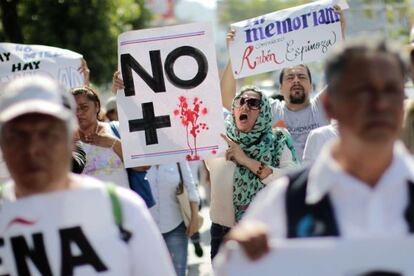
[89, 27]
[231, 11]
[399, 15]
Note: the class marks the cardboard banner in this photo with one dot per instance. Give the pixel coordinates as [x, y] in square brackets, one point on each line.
[170, 109]
[17, 60]
[322, 257]
[285, 38]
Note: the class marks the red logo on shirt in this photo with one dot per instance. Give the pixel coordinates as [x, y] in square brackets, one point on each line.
[21, 221]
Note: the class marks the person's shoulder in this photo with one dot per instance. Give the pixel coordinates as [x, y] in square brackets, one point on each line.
[91, 183]
[111, 124]
[321, 130]
[130, 198]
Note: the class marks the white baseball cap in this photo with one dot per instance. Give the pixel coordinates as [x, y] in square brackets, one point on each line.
[37, 94]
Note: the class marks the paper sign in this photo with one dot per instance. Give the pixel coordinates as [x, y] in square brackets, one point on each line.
[17, 60]
[170, 109]
[323, 257]
[285, 38]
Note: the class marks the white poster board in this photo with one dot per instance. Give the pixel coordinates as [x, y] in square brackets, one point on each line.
[285, 38]
[322, 257]
[170, 109]
[17, 60]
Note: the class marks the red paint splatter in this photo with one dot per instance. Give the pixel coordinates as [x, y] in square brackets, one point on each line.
[189, 119]
[214, 152]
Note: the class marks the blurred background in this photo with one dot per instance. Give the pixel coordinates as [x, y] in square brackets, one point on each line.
[91, 27]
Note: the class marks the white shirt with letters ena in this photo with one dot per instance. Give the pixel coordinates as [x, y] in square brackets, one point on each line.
[73, 232]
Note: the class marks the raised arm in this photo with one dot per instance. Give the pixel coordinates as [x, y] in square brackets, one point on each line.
[228, 82]
[342, 19]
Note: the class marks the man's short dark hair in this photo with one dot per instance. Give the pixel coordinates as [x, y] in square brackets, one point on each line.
[337, 64]
[282, 73]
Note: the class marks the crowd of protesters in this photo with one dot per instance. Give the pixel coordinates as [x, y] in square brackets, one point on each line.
[58, 150]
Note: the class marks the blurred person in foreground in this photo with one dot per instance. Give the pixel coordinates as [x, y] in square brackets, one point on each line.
[54, 222]
[360, 186]
[407, 135]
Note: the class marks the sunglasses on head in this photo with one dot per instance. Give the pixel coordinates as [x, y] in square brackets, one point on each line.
[252, 103]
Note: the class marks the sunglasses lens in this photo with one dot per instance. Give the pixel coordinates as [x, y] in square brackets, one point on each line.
[251, 102]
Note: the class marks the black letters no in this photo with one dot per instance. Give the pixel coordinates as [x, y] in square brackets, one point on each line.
[202, 65]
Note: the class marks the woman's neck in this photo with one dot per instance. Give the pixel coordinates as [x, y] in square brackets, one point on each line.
[93, 128]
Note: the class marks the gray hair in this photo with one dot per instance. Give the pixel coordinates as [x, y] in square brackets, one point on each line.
[343, 56]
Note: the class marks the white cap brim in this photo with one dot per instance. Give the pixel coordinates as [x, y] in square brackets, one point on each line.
[35, 106]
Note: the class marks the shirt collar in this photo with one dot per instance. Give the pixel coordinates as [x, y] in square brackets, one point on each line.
[326, 168]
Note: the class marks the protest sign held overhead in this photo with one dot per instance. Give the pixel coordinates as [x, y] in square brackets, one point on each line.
[17, 60]
[322, 257]
[171, 106]
[285, 38]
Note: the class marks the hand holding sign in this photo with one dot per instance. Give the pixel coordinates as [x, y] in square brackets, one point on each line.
[84, 70]
[339, 11]
[252, 237]
[117, 83]
[230, 37]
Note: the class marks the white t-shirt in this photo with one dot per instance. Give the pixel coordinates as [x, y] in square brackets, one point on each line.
[74, 231]
[104, 163]
[300, 123]
[317, 138]
[164, 180]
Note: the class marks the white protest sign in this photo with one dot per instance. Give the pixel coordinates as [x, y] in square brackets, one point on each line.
[171, 107]
[285, 38]
[322, 257]
[17, 60]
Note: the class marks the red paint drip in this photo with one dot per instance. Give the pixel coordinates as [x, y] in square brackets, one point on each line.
[189, 119]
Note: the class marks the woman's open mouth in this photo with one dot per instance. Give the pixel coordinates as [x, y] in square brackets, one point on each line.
[243, 117]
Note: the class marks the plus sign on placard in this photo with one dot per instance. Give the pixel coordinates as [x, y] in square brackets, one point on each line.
[170, 109]
[149, 123]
